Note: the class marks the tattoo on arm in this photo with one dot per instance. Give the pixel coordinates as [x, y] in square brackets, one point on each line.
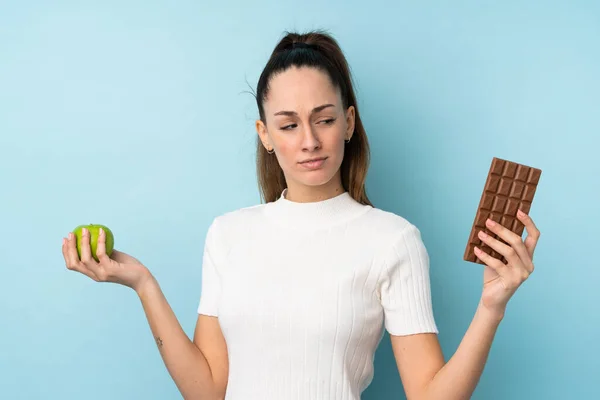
[159, 341]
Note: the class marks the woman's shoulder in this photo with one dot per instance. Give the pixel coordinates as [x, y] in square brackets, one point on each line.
[388, 222]
[243, 216]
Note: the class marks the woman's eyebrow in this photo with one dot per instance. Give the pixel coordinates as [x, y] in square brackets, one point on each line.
[315, 110]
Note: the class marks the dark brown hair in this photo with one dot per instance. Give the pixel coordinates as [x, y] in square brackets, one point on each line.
[320, 50]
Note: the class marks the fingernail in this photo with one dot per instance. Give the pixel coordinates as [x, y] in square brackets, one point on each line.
[101, 231]
[70, 235]
[84, 231]
[482, 235]
[521, 213]
[490, 222]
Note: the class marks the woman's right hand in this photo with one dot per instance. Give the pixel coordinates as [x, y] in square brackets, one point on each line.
[119, 268]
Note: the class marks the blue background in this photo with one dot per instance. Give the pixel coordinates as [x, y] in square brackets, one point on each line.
[138, 115]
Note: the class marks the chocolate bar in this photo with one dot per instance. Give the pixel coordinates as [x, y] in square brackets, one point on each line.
[509, 187]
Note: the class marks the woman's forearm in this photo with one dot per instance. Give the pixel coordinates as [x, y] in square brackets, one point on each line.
[184, 361]
[458, 378]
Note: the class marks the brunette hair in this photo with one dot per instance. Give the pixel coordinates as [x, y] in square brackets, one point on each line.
[320, 50]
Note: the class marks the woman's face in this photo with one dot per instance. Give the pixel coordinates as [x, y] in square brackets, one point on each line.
[305, 119]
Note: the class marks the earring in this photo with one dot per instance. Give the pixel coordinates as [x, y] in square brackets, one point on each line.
[271, 151]
[347, 140]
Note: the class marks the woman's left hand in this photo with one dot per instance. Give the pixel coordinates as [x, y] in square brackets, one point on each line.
[501, 280]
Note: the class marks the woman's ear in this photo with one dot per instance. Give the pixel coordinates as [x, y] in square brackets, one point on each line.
[350, 121]
[261, 130]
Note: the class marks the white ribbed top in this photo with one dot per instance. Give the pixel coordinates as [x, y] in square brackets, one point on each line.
[303, 292]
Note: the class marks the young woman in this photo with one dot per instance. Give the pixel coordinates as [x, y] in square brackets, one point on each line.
[296, 292]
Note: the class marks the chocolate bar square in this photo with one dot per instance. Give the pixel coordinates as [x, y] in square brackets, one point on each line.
[509, 187]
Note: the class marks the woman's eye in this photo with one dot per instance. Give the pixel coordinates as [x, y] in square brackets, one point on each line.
[291, 126]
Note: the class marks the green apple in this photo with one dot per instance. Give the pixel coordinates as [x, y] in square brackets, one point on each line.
[94, 230]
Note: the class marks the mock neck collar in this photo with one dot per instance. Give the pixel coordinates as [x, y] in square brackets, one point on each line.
[317, 214]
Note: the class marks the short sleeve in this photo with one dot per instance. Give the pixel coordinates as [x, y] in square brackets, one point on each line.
[405, 289]
[211, 285]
